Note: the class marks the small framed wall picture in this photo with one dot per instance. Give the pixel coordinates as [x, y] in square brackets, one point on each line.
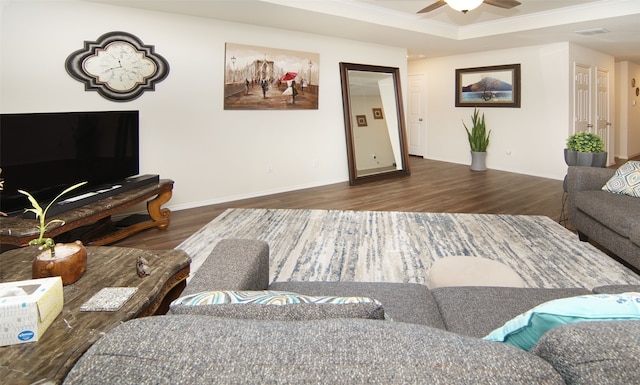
[361, 120]
[377, 113]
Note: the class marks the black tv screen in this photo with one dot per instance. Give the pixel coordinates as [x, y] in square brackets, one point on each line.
[44, 153]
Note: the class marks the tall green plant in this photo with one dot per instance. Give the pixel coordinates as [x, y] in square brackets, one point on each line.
[45, 243]
[478, 136]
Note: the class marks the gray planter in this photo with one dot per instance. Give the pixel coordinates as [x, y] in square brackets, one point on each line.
[585, 159]
[478, 161]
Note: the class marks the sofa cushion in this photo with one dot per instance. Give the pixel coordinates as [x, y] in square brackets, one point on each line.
[476, 311]
[524, 330]
[276, 305]
[626, 180]
[207, 350]
[616, 289]
[403, 302]
[593, 352]
[611, 210]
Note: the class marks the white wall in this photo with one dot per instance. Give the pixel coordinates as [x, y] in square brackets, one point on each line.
[627, 110]
[528, 140]
[212, 154]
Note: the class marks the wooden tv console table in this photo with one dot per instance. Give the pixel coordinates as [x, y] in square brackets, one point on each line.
[19, 231]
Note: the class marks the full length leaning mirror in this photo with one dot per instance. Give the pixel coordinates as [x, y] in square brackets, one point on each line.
[374, 122]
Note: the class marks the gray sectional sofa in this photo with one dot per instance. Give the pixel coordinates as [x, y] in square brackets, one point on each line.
[611, 220]
[434, 337]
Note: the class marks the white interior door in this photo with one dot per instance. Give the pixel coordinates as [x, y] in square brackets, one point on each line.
[416, 132]
[582, 98]
[603, 116]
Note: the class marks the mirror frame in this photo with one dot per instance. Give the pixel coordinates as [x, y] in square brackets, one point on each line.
[346, 104]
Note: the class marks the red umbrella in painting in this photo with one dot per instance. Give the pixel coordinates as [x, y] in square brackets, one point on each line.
[289, 76]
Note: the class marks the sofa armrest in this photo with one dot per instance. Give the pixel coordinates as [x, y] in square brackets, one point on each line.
[191, 349]
[583, 179]
[593, 352]
[234, 264]
[587, 178]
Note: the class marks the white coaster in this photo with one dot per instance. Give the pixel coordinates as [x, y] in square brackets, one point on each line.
[109, 299]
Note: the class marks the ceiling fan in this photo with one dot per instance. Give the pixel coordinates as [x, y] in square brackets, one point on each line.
[466, 5]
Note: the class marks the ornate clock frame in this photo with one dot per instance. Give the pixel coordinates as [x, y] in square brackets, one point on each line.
[76, 68]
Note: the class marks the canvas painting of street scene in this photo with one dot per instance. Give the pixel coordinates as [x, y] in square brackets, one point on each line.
[497, 86]
[261, 78]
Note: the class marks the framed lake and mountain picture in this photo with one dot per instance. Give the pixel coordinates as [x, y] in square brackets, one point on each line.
[495, 86]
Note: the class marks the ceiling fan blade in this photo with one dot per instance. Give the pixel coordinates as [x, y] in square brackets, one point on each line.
[433, 6]
[506, 4]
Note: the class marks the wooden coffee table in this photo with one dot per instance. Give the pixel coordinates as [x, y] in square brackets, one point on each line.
[73, 331]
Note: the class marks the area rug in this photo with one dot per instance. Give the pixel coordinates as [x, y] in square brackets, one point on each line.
[334, 245]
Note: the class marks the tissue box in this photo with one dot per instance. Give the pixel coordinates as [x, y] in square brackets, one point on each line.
[27, 309]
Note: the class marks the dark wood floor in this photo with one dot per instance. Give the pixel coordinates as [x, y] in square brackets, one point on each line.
[432, 187]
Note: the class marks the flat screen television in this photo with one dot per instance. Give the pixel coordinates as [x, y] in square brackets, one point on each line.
[44, 153]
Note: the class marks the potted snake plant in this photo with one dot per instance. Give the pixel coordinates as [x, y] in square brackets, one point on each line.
[478, 141]
[67, 260]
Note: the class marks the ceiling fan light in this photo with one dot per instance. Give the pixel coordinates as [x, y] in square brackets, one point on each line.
[464, 5]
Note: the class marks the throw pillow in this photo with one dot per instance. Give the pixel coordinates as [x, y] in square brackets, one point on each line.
[626, 180]
[276, 305]
[524, 330]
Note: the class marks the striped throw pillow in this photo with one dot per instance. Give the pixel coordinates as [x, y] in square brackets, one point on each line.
[276, 305]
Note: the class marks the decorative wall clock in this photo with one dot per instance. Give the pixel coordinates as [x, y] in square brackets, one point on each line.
[118, 66]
